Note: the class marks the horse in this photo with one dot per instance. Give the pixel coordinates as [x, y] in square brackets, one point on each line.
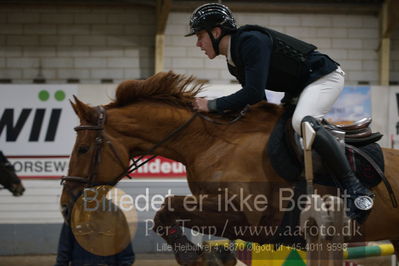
[8, 177]
[235, 190]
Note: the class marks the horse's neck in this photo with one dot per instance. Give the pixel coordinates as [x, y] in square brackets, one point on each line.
[153, 124]
[200, 143]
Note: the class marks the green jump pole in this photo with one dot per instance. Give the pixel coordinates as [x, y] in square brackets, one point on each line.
[368, 251]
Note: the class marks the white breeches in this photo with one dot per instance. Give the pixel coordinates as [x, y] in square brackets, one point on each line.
[318, 97]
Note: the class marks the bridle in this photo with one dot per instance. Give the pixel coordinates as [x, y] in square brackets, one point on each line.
[102, 139]
[96, 159]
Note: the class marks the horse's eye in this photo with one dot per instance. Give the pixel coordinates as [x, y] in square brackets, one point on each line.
[83, 149]
[9, 166]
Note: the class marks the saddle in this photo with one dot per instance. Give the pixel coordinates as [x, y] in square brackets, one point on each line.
[358, 133]
[285, 150]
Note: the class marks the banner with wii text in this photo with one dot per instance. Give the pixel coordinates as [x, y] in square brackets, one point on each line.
[37, 136]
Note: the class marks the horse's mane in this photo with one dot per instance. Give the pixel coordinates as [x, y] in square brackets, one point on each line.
[164, 86]
[174, 89]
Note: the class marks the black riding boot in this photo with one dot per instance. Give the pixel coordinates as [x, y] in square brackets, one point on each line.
[360, 198]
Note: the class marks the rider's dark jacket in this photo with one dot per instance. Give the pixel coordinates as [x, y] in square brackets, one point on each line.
[266, 59]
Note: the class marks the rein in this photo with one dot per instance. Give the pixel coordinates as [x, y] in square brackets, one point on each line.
[136, 164]
[240, 115]
[150, 151]
[176, 131]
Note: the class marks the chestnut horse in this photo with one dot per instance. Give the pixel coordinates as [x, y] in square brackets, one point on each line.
[235, 189]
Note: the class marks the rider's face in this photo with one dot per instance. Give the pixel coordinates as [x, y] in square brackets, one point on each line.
[204, 42]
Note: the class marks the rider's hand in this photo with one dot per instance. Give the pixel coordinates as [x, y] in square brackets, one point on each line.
[201, 105]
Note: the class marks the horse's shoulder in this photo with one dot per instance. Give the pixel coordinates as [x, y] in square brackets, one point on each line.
[268, 107]
[265, 112]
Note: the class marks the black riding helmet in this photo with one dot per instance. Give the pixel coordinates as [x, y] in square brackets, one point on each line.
[211, 15]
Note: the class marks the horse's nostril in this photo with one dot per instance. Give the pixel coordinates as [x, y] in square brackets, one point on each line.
[17, 190]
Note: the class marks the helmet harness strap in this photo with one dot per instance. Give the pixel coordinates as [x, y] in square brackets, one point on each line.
[216, 41]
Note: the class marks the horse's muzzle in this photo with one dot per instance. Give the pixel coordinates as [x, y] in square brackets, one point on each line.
[17, 190]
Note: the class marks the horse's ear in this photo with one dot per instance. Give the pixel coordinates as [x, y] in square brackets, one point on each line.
[85, 112]
[74, 106]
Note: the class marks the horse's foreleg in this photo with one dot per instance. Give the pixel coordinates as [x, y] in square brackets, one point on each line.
[202, 213]
[169, 228]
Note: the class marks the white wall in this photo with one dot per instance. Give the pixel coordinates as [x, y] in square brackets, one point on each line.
[39, 204]
[351, 40]
[86, 43]
[380, 109]
[91, 43]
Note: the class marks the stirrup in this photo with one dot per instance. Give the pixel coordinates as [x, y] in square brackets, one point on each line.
[364, 203]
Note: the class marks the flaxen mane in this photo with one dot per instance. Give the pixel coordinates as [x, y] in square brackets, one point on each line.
[164, 86]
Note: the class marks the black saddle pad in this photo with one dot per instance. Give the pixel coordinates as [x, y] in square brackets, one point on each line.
[366, 173]
[280, 153]
[285, 162]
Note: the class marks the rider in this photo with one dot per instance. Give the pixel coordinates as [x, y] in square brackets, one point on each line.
[261, 58]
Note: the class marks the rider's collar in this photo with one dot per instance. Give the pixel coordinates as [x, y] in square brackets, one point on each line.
[229, 58]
